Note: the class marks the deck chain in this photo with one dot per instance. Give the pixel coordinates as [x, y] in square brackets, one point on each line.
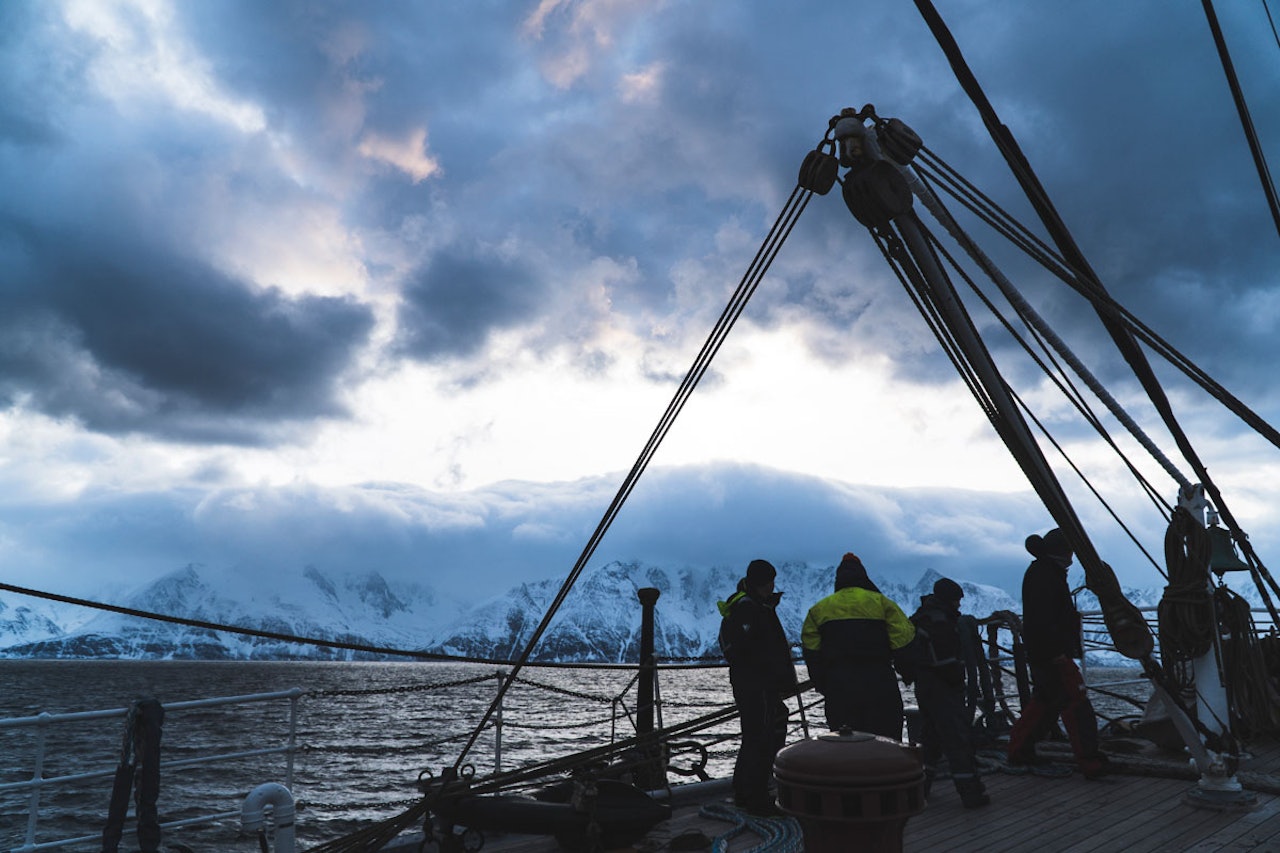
[564, 691]
[406, 688]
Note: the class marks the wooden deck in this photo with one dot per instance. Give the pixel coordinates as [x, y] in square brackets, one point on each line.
[1139, 808]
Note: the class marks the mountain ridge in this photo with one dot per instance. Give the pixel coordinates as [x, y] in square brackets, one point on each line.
[598, 620]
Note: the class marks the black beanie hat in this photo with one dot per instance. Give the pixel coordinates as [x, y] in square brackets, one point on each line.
[851, 572]
[1052, 544]
[1056, 544]
[947, 589]
[760, 571]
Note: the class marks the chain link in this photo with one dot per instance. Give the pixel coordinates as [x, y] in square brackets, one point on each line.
[563, 691]
[507, 724]
[406, 688]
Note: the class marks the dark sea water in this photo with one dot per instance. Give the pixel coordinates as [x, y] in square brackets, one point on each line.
[359, 755]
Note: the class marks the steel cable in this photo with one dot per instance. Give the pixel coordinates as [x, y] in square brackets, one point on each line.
[777, 235]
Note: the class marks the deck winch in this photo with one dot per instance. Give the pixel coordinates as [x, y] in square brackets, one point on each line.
[850, 791]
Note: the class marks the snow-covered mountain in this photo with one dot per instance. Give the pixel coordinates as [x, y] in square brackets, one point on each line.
[598, 621]
[361, 609]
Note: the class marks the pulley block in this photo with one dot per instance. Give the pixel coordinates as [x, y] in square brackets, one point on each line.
[819, 169]
[898, 141]
[876, 194]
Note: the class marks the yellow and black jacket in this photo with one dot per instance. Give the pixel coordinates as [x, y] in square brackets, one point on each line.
[854, 626]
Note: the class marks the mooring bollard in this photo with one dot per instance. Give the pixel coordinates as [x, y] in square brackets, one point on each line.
[850, 791]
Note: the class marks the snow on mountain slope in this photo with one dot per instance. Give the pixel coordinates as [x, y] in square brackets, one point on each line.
[598, 621]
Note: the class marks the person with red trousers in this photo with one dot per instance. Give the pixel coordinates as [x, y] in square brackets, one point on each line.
[1051, 637]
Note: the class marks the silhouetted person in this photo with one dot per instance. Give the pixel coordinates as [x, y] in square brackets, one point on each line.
[946, 724]
[852, 641]
[761, 672]
[1051, 636]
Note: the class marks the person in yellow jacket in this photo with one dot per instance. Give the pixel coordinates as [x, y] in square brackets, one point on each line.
[853, 640]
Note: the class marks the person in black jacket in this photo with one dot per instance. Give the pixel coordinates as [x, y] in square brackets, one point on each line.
[761, 671]
[945, 722]
[853, 640]
[1051, 636]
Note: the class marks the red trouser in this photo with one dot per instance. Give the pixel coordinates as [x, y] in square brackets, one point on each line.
[1059, 691]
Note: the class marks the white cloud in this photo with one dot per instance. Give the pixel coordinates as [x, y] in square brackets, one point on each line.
[643, 85]
[143, 55]
[407, 154]
[581, 33]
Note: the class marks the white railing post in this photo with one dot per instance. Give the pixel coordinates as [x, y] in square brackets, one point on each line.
[293, 739]
[43, 721]
[37, 779]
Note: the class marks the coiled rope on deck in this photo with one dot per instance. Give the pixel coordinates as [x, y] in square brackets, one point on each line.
[780, 835]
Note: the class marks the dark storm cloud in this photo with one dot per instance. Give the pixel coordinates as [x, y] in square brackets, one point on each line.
[450, 307]
[1121, 109]
[129, 338]
[331, 71]
[476, 543]
[110, 313]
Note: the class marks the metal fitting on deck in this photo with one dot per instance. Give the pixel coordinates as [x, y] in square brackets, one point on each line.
[851, 791]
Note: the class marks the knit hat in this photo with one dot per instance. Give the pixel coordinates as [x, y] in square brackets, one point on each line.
[851, 572]
[947, 589]
[1052, 544]
[760, 571]
[1056, 544]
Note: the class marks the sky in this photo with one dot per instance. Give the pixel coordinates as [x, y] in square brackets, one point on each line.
[406, 287]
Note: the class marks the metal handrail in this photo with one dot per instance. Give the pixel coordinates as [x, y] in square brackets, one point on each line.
[38, 782]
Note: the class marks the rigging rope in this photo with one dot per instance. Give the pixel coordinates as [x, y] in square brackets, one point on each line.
[1246, 121]
[1072, 396]
[781, 229]
[1057, 375]
[1192, 612]
[1121, 333]
[1033, 319]
[972, 198]
[917, 258]
[989, 212]
[331, 644]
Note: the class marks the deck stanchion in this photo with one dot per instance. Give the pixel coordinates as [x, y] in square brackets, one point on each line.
[293, 738]
[650, 773]
[501, 676]
[33, 807]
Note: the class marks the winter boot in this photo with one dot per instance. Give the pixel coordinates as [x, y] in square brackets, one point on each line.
[972, 793]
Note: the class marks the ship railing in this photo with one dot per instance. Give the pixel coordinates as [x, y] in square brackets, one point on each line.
[43, 722]
[42, 725]
[1100, 657]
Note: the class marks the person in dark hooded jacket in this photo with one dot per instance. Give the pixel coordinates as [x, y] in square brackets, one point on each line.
[1051, 636]
[852, 641]
[945, 721]
[761, 671]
